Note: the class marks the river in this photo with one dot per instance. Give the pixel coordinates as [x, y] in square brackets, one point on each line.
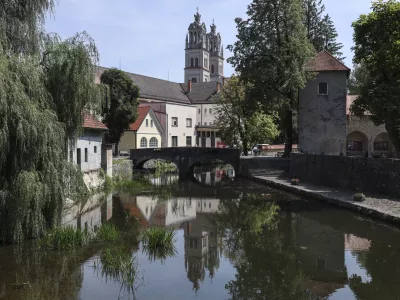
[235, 240]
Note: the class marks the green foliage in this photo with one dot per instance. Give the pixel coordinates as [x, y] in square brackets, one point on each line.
[321, 31]
[108, 233]
[61, 238]
[270, 54]
[241, 121]
[45, 83]
[377, 47]
[21, 25]
[164, 167]
[358, 76]
[155, 237]
[124, 104]
[70, 68]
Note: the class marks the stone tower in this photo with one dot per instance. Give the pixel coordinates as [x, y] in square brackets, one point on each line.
[216, 54]
[203, 53]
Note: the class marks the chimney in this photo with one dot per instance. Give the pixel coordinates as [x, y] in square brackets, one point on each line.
[189, 86]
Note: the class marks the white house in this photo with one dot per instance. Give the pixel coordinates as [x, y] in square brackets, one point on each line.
[87, 151]
[146, 132]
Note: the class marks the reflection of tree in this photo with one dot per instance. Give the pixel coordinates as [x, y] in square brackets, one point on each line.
[45, 274]
[266, 265]
[381, 263]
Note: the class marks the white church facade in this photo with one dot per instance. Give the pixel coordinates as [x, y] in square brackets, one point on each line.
[185, 110]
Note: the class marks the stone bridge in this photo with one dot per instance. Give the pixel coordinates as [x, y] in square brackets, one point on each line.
[186, 157]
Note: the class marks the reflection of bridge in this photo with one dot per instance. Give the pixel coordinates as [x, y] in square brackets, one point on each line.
[186, 157]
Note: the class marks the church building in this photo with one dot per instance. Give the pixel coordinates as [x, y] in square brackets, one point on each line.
[185, 111]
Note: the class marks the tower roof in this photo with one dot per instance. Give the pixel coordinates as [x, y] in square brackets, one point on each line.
[325, 62]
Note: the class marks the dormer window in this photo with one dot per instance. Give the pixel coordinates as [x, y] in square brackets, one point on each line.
[322, 88]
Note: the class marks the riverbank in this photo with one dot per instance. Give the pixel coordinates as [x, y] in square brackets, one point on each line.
[383, 208]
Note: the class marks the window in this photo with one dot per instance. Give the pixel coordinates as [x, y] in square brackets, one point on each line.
[143, 142]
[192, 62]
[208, 133]
[205, 79]
[188, 122]
[153, 143]
[95, 149]
[188, 141]
[194, 80]
[322, 88]
[174, 140]
[212, 68]
[174, 121]
[86, 155]
[205, 62]
[354, 146]
[151, 123]
[205, 110]
[210, 110]
[196, 62]
[198, 111]
[381, 146]
[78, 156]
[147, 123]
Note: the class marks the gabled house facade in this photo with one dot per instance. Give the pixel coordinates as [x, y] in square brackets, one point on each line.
[146, 132]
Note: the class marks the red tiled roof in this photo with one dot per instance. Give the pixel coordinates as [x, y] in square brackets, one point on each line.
[142, 113]
[324, 61]
[90, 121]
[349, 101]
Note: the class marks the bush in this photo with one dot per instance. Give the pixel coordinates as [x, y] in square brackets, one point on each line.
[359, 197]
[295, 181]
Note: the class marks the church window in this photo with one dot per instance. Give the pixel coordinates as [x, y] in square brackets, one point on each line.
[196, 62]
[212, 68]
[194, 80]
[192, 62]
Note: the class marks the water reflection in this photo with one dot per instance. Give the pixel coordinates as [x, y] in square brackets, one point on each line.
[234, 241]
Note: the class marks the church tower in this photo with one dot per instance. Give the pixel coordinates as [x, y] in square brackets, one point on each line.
[197, 56]
[216, 54]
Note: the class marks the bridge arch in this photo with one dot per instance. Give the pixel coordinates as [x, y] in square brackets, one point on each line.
[186, 157]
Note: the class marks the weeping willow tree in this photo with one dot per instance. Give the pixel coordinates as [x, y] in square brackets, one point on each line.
[45, 86]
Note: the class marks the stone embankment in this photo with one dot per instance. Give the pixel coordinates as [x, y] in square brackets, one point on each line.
[384, 208]
[122, 169]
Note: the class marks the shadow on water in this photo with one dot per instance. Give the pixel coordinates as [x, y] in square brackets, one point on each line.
[235, 239]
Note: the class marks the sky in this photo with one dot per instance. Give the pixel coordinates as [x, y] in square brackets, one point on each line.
[148, 36]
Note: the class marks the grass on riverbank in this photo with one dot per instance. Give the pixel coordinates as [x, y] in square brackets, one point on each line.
[68, 238]
[158, 243]
[63, 238]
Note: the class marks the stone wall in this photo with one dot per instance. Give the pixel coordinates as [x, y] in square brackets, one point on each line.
[123, 169]
[369, 175]
[263, 166]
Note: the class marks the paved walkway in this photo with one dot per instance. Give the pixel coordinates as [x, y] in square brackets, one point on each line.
[382, 208]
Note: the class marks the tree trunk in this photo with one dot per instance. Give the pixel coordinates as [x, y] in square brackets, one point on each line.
[393, 136]
[116, 149]
[288, 125]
